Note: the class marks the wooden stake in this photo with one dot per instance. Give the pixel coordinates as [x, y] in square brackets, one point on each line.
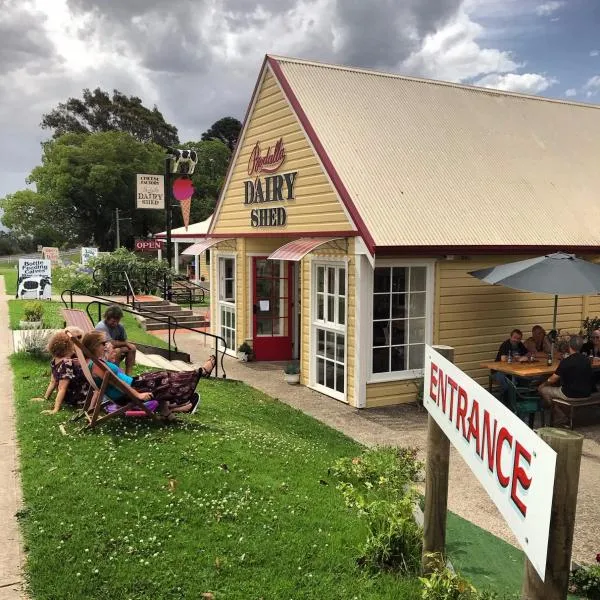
[568, 446]
[436, 487]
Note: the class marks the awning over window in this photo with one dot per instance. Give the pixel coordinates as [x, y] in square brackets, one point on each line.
[200, 247]
[298, 249]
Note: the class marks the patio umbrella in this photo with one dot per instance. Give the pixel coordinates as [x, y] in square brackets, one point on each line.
[558, 274]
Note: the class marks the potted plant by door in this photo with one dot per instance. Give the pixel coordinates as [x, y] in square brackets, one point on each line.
[33, 314]
[292, 374]
[244, 352]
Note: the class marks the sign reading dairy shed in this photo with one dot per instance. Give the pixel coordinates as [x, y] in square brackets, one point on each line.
[150, 192]
[35, 279]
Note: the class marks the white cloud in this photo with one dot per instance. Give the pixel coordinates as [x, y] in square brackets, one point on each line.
[526, 83]
[594, 52]
[547, 8]
[592, 86]
[452, 53]
[570, 92]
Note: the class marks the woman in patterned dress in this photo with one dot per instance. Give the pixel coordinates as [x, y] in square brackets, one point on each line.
[67, 377]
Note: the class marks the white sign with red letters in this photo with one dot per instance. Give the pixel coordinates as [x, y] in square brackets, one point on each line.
[514, 465]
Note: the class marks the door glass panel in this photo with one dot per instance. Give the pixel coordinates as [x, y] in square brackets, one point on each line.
[264, 326]
[264, 288]
[276, 270]
[263, 267]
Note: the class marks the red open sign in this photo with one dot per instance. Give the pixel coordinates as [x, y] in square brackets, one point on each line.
[145, 245]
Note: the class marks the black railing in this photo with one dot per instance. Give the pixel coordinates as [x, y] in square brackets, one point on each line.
[172, 324]
[184, 291]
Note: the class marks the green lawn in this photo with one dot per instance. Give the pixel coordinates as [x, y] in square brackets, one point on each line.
[234, 500]
[10, 278]
[54, 320]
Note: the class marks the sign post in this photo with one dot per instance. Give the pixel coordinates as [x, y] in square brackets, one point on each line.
[514, 465]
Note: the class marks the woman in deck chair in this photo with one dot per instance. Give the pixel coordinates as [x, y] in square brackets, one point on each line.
[66, 374]
[175, 392]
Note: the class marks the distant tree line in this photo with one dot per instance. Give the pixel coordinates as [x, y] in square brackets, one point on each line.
[99, 143]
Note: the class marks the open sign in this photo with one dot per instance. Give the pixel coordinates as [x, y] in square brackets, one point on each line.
[144, 245]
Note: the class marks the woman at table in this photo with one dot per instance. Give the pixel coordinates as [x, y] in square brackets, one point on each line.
[539, 343]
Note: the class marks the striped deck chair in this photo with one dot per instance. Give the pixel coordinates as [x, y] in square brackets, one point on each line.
[98, 407]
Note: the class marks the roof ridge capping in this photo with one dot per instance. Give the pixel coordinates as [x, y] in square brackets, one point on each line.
[473, 88]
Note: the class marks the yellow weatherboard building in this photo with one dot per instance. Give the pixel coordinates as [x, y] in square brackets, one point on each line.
[357, 202]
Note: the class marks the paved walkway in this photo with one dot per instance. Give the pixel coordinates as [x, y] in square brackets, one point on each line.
[406, 425]
[11, 556]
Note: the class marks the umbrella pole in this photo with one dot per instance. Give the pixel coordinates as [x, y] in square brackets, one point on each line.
[555, 311]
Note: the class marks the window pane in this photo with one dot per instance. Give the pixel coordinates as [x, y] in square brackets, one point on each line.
[331, 280]
[417, 305]
[381, 306]
[276, 270]
[229, 268]
[329, 374]
[320, 371]
[381, 279]
[263, 267]
[207, 257]
[398, 358]
[330, 308]
[320, 279]
[320, 342]
[264, 326]
[399, 306]
[416, 331]
[320, 307]
[232, 319]
[341, 311]
[330, 346]
[416, 356]
[276, 327]
[381, 360]
[342, 282]
[399, 279]
[340, 348]
[339, 378]
[398, 333]
[264, 288]
[381, 333]
[228, 289]
[418, 279]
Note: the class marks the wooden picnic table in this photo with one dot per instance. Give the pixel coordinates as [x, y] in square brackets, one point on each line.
[527, 370]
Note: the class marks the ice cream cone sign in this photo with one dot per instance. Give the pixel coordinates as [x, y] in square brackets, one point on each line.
[183, 190]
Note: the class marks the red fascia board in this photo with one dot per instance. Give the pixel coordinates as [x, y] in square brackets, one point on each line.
[286, 234]
[478, 250]
[333, 175]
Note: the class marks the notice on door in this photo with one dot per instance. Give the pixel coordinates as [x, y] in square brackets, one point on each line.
[263, 305]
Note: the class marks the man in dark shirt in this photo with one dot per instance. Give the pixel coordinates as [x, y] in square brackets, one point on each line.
[515, 348]
[573, 380]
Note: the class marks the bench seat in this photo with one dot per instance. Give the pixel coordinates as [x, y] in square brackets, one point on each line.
[77, 318]
[593, 400]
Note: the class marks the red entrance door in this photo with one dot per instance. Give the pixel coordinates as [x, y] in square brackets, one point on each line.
[272, 308]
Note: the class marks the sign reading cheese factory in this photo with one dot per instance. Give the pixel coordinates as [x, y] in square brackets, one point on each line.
[268, 186]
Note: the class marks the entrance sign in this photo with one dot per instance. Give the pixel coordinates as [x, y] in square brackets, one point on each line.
[146, 245]
[150, 192]
[35, 279]
[513, 464]
[87, 254]
[50, 254]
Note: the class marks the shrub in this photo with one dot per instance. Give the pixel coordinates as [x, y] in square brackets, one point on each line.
[33, 311]
[292, 369]
[245, 348]
[74, 277]
[588, 325]
[585, 581]
[35, 342]
[379, 484]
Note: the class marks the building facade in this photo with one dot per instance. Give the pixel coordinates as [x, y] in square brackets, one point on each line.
[356, 204]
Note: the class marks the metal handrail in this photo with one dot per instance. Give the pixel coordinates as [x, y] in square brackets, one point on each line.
[100, 300]
[129, 290]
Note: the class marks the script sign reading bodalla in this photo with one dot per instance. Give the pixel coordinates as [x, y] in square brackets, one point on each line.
[514, 465]
[150, 192]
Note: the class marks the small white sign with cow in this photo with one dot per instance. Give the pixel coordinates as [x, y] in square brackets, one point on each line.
[514, 465]
[35, 279]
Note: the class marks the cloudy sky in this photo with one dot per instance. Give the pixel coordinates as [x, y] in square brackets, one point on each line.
[198, 60]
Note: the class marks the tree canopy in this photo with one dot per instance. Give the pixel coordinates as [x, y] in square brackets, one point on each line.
[227, 130]
[98, 112]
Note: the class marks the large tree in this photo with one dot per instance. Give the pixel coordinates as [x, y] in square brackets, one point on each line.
[208, 178]
[93, 174]
[97, 112]
[227, 130]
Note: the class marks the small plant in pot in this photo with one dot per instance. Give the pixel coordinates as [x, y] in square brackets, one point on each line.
[245, 352]
[292, 373]
[33, 316]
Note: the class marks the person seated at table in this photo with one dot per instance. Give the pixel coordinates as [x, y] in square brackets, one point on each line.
[539, 343]
[514, 347]
[115, 333]
[573, 380]
[592, 346]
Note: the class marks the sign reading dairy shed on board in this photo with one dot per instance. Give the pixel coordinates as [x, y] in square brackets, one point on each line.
[514, 465]
[150, 192]
[35, 279]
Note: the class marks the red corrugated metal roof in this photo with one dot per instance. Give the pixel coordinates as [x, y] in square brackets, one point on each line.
[298, 249]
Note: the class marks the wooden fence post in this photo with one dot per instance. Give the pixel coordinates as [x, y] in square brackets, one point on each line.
[568, 446]
[436, 485]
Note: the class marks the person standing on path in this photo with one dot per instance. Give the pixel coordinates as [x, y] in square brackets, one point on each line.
[115, 334]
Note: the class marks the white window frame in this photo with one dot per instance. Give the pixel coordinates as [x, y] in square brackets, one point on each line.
[315, 324]
[429, 303]
[226, 303]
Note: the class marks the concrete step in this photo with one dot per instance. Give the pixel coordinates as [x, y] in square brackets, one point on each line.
[164, 364]
[174, 312]
[146, 360]
[179, 319]
[150, 303]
